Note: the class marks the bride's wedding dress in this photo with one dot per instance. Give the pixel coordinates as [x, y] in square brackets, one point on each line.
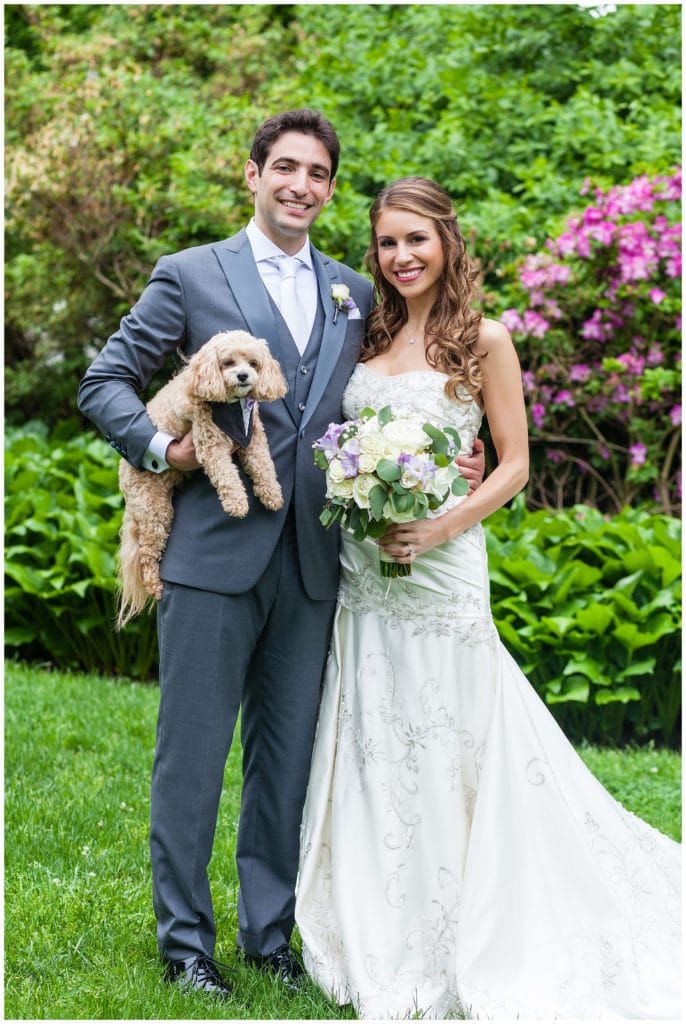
[457, 857]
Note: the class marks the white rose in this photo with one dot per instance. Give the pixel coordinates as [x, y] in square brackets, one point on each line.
[442, 481]
[373, 443]
[336, 471]
[340, 489]
[409, 481]
[362, 485]
[366, 463]
[340, 292]
[406, 433]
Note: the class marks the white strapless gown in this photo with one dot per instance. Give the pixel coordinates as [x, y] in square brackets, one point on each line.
[457, 857]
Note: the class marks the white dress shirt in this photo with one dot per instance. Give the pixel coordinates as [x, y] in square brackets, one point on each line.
[266, 255]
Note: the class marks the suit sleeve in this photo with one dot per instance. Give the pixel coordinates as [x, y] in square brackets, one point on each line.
[147, 336]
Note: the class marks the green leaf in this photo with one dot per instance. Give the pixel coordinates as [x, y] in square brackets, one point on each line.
[388, 470]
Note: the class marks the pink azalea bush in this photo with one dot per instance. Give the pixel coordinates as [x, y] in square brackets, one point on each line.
[597, 323]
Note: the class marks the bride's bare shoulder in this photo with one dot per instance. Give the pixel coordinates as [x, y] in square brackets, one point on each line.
[493, 337]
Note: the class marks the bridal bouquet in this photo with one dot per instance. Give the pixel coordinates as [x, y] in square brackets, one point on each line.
[386, 468]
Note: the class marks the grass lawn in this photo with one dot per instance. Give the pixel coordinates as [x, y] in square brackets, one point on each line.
[79, 928]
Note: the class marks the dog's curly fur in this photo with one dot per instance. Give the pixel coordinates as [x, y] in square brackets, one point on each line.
[229, 366]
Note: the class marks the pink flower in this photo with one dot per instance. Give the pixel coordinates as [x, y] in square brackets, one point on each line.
[564, 397]
[673, 266]
[566, 244]
[579, 373]
[528, 380]
[655, 355]
[656, 295]
[555, 455]
[633, 363]
[593, 329]
[512, 320]
[534, 324]
[538, 414]
[675, 415]
[603, 451]
[638, 453]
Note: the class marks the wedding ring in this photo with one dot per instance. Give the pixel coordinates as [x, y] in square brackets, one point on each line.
[411, 553]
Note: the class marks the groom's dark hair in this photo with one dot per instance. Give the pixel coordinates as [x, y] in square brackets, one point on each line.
[308, 122]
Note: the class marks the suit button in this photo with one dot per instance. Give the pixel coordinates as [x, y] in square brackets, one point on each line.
[155, 464]
[302, 407]
[304, 370]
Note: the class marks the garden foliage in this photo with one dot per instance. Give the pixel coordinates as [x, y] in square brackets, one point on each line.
[589, 605]
[598, 326]
[62, 517]
[127, 127]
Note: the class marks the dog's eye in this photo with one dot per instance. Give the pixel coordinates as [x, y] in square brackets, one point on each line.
[228, 362]
[255, 364]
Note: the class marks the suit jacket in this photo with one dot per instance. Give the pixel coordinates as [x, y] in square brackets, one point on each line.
[190, 296]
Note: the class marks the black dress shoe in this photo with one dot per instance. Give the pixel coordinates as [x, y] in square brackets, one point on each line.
[197, 974]
[283, 963]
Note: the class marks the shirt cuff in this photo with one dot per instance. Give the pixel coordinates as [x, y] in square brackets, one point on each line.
[154, 457]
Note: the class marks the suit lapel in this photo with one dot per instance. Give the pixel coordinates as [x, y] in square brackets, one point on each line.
[242, 276]
[237, 261]
[333, 334]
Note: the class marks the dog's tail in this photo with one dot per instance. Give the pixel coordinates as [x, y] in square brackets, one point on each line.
[133, 598]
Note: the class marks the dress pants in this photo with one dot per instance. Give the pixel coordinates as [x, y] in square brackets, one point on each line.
[264, 649]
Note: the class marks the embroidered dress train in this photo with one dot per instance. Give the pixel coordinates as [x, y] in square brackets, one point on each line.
[457, 857]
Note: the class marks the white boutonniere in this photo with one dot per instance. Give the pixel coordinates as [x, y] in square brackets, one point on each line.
[340, 293]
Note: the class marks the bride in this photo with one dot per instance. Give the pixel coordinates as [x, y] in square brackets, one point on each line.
[457, 858]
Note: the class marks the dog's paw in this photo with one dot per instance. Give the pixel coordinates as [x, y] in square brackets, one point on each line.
[273, 500]
[236, 507]
[155, 589]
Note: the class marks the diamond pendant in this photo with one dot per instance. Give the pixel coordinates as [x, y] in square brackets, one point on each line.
[411, 341]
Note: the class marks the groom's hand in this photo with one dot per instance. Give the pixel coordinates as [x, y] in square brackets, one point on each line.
[181, 454]
[473, 467]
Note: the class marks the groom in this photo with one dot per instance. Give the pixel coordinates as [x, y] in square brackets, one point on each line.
[248, 605]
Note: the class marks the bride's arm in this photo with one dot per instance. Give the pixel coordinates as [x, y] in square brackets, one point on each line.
[503, 399]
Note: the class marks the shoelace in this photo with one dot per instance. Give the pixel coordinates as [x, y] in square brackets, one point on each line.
[206, 969]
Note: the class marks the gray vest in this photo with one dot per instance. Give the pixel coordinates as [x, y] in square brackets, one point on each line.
[298, 369]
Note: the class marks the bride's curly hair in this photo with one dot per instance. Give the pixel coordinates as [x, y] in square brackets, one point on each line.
[452, 330]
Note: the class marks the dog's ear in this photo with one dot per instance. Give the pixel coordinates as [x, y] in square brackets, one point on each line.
[271, 383]
[206, 379]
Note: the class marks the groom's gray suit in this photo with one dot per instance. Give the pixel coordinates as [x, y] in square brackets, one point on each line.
[248, 604]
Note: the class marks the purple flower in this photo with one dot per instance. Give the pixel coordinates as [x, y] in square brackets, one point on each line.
[580, 373]
[638, 453]
[555, 454]
[328, 443]
[528, 380]
[656, 295]
[633, 363]
[564, 397]
[512, 320]
[538, 414]
[535, 324]
[675, 415]
[349, 456]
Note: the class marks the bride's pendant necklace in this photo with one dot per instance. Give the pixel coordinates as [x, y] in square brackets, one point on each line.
[415, 337]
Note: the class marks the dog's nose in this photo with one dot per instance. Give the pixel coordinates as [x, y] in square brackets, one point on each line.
[242, 376]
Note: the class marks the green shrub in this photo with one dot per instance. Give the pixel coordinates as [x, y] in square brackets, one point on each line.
[62, 517]
[590, 607]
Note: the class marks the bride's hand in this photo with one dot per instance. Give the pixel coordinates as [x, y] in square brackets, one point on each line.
[404, 541]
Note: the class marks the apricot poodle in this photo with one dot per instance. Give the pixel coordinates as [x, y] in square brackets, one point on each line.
[230, 366]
